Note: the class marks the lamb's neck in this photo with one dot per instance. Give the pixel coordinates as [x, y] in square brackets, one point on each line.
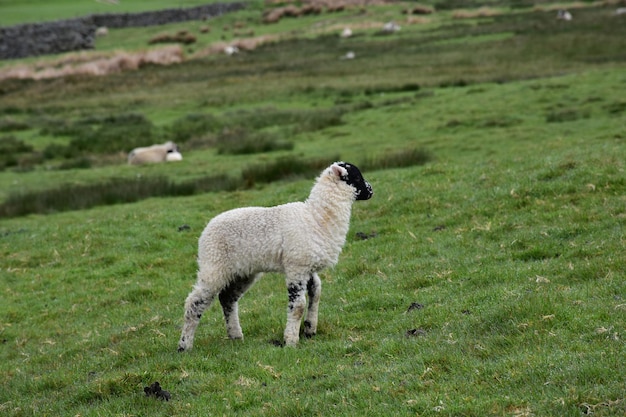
[332, 214]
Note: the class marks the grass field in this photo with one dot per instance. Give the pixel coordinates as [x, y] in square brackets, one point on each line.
[493, 278]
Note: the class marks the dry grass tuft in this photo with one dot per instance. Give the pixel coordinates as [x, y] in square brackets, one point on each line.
[417, 20]
[559, 6]
[419, 10]
[472, 14]
[93, 63]
[183, 37]
[274, 14]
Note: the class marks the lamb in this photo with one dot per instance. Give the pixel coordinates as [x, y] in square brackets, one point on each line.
[564, 15]
[152, 154]
[349, 55]
[391, 27]
[102, 31]
[298, 239]
[231, 50]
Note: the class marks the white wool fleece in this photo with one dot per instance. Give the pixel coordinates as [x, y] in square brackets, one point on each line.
[291, 238]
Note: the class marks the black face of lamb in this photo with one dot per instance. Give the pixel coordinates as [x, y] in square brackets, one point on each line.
[356, 180]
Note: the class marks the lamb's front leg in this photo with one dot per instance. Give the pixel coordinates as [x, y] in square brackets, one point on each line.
[314, 291]
[295, 310]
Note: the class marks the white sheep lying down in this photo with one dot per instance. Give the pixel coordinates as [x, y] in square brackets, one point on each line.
[167, 151]
[298, 239]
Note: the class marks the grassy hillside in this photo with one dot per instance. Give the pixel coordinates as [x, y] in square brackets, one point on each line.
[492, 280]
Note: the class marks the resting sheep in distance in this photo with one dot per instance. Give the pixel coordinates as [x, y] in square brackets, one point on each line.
[298, 239]
[154, 153]
[346, 33]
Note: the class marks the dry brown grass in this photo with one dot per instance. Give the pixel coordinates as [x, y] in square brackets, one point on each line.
[472, 14]
[93, 63]
[182, 36]
[559, 6]
[273, 15]
[419, 9]
[417, 20]
[332, 3]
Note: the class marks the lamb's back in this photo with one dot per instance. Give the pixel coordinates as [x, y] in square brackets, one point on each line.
[252, 239]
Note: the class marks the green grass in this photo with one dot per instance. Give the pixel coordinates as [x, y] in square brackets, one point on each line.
[506, 223]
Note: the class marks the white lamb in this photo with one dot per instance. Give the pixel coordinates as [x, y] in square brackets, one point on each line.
[298, 239]
[153, 154]
[564, 15]
[346, 33]
[391, 27]
[231, 50]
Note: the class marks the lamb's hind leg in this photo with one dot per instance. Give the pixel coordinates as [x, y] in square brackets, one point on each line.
[314, 291]
[198, 300]
[229, 298]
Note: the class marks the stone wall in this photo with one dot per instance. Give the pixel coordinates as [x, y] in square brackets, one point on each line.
[77, 34]
[46, 38]
[162, 17]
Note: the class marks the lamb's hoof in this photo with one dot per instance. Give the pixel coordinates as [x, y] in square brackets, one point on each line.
[309, 335]
[185, 343]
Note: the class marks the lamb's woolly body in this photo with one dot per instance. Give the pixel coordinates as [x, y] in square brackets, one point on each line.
[250, 240]
[298, 239]
[151, 154]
